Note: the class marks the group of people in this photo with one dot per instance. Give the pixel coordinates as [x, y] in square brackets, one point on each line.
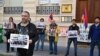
[37, 32]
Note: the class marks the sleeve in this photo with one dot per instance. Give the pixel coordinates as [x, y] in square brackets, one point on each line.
[90, 30]
[78, 29]
[17, 28]
[33, 33]
[69, 28]
[14, 28]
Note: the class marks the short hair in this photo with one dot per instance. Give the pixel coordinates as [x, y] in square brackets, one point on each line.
[97, 18]
[42, 19]
[73, 20]
[11, 18]
[27, 12]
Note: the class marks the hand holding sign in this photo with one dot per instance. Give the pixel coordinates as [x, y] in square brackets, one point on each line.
[19, 41]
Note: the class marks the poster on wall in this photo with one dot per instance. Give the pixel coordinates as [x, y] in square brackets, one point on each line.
[66, 8]
[63, 30]
[19, 41]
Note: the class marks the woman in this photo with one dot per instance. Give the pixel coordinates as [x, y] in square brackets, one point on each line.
[53, 37]
[10, 28]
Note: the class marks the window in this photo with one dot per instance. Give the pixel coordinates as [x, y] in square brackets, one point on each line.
[66, 19]
[1, 2]
[46, 10]
[13, 10]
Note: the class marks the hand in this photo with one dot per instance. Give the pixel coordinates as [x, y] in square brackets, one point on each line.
[30, 41]
[8, 40]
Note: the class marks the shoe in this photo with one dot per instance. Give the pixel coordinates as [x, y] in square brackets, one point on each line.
[36, 50]
[12, 50]
[55, 53]
[66, 55]
[41, 50]
[7, 51]
[51, 53]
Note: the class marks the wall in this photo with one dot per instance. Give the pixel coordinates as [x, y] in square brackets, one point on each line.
[30, 5]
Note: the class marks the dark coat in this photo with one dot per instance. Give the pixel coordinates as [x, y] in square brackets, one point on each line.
[32, 31]
[94, 33]
[9, 31]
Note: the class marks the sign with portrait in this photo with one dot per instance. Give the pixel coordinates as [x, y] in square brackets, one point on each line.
[72, 34]
[19, 41]
[63, 30]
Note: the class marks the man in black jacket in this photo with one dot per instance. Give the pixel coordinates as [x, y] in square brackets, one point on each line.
[72, 27]
[26, 27]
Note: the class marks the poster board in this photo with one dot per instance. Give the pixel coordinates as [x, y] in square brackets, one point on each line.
[19, 41]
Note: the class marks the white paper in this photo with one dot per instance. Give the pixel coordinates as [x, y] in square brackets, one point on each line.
[83, 37]
[40, 25]
[72, 34]
[19, 41]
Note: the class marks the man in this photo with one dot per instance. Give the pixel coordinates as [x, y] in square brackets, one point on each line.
[72, 27]
[41, 27]
[27, 28]
[94, 35]
[53, 37]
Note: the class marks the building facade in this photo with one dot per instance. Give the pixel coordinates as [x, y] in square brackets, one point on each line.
[64, 10]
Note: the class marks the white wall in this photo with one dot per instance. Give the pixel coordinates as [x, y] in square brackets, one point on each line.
[13, 3]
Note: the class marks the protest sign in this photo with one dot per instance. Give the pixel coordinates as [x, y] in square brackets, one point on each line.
[72, 34]
[19, 41]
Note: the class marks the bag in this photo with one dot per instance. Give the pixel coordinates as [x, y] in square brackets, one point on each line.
[7, 33]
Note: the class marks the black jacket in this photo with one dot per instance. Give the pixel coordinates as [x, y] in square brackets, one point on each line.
[74, 28]
[32, 32]
[9, 31]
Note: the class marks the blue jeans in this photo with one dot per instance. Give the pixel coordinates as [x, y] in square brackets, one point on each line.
[75, 46]
[41, 39]
[52, 45]
[93, 44]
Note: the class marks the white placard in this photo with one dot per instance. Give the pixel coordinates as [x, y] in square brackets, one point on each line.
[83, 37]
[19, 41]
[44, 1]
[72, 34]
[40, 25]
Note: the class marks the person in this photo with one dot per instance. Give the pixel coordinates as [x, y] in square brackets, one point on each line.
[94, 35]
[10, 28]
[72, 27]
[27, 28]
[41, 27]
[53, 37]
